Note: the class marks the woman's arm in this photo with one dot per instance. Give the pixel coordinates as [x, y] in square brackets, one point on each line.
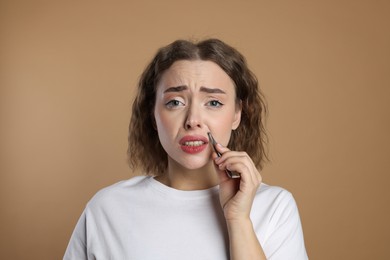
[243, 241]
[236, 197]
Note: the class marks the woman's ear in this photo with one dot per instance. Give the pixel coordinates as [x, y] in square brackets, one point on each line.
[237, 115]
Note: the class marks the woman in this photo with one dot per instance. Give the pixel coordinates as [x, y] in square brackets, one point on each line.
[186, 206]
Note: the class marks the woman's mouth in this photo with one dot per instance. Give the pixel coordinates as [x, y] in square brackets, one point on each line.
[193, 144]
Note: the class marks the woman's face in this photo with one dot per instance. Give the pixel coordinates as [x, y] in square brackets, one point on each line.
[192, 99]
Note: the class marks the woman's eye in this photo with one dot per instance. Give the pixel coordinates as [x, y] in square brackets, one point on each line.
[174, 103]
[215, 103]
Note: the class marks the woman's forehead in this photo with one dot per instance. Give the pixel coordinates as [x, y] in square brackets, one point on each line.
[195, 74]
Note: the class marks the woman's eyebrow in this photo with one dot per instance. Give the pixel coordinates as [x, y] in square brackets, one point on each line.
[202, 89]
[212, 90]
[176, 89]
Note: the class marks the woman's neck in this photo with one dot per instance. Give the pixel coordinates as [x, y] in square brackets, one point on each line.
[181, 178]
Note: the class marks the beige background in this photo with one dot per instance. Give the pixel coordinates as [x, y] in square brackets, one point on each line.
[67, 76]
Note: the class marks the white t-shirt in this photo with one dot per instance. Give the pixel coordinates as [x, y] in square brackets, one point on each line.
[142, 219]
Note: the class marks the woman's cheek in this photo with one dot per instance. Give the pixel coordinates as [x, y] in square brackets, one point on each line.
[221, 131]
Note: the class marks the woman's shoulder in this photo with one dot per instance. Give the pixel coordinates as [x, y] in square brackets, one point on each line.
[275, 205]
[125, 184]
[272, 191]
[274, 197]
[119, 191]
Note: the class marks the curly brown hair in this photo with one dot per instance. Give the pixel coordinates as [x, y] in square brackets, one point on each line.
[145, 151]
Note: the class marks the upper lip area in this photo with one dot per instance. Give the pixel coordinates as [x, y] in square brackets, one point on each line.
[193, 138]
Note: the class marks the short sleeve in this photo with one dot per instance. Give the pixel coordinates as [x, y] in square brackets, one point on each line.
[77, 247]
[285, 236]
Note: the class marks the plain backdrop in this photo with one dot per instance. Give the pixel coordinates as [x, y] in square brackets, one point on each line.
[68, 71]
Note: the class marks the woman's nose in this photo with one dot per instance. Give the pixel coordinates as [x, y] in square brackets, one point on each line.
[193, 119]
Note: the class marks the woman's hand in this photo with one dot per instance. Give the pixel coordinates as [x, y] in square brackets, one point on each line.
[236, 195]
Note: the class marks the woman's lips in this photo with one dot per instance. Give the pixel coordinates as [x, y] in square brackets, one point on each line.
[193, 143]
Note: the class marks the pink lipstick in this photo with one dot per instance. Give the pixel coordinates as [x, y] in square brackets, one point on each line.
[193, 144]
